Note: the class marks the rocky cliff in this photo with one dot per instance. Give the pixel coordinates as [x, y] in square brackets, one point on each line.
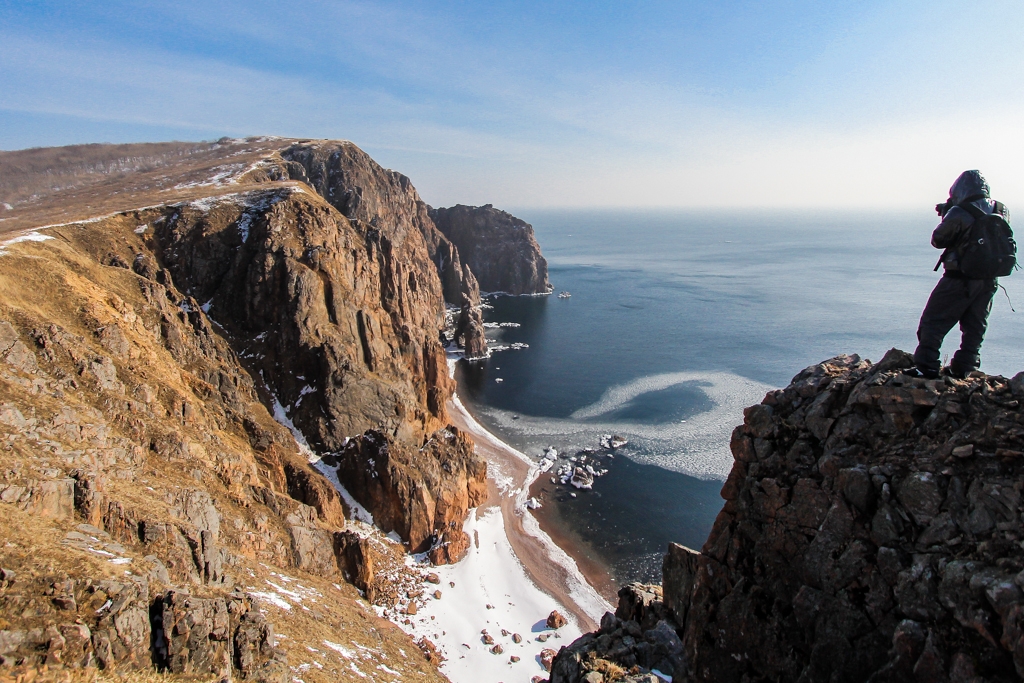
[499, 248]
[871, 532]
[157, 508]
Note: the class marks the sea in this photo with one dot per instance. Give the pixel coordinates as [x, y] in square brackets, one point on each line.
[673, 323]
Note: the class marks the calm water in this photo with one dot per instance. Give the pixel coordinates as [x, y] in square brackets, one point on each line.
[677, 320]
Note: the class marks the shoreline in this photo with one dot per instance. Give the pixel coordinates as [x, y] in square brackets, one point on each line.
[596, 572]
[547, 563]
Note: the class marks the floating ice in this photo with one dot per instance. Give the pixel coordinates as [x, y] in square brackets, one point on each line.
[698, 447]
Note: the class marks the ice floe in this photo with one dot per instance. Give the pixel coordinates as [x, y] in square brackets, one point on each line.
[698, 446]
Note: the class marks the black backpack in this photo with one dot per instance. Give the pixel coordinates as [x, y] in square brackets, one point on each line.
[988, 250]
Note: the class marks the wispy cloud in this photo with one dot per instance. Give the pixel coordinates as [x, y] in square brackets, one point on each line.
[534, 104]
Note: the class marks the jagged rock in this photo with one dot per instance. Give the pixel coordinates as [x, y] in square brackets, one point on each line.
[640, 603]
[430, 650]
[14, 352]
[679, 569]
[197, 634]
[312, 546]
[200, 636]
[853, 544]
[469, 331]
[555, 620]
[197, 508]
[424, 494]
[355, 558]
[499, 248]
[51, 499]
[122, 633]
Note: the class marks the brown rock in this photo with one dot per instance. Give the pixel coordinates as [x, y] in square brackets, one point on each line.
[497, 649]
[546, 657]
[356, 559]
[555, 620]
[516, 638]
[430, 651]
[424, 494]
[499, 248]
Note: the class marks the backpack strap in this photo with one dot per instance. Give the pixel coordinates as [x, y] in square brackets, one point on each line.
[1000, 208]
[976, 213]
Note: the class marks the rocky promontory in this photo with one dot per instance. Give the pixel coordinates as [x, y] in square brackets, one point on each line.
[499, 248]
[191, 338]
[872, 531]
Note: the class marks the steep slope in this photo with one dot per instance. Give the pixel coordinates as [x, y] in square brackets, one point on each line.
[364, 192]
[871, 531]
[154, 513]
[499, 248]
[150, 358]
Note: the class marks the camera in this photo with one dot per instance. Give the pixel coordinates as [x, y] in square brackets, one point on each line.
[943, 208]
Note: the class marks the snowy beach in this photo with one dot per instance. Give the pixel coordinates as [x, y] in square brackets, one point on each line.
[513, 577]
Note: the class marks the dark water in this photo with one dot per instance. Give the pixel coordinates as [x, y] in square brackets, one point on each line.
[676, 322]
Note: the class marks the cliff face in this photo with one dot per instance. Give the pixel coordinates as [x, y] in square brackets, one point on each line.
[340, 317]
[144, 357]
[871, 531]
[499, 248]
[385, 200]
[149, 502]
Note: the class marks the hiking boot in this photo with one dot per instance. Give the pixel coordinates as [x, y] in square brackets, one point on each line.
[950, 371]
[918, 372]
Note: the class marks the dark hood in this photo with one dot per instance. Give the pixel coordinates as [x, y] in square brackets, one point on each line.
[970, 184]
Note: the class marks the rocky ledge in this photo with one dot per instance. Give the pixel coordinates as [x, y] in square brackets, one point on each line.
[871, 532]
[499, 248]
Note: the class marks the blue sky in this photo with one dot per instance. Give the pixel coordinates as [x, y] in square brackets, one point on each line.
[526, 103]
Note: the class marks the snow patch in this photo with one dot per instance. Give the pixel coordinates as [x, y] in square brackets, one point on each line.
[340, 649]
[31, 236]
[273, 598]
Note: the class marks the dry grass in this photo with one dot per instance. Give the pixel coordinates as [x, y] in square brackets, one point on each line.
[62, 282]
[48, 186]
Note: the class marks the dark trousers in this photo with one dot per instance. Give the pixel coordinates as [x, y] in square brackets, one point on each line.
[954, 300]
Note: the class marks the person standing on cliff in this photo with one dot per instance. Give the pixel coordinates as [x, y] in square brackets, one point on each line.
[957, 298]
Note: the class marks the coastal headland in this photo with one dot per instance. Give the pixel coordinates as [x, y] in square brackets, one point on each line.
[224, 400]
[230, 447]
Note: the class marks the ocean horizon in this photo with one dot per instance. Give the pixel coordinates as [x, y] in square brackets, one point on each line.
[675, 322]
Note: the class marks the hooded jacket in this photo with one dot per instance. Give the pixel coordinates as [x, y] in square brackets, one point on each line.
[953, 229]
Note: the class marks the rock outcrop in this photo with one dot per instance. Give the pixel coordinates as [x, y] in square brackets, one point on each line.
[499, 248]
[871, 532]
[338, 313]
[160, 369]
[424, 494]
[364, 192]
